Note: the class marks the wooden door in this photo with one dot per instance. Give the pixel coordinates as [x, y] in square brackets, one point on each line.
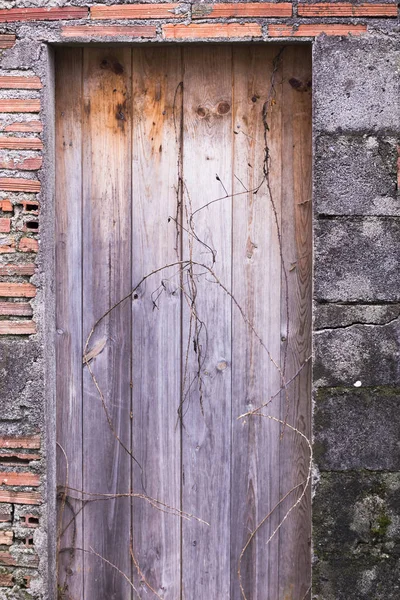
[183, 288]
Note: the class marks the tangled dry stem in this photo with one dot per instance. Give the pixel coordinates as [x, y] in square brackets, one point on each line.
[188, 272]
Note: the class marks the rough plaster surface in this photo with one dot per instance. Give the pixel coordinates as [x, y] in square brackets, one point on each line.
[356, 84]
[350, 425]
[366, 353]
[365, 184]
[357, 259]
[357, 549]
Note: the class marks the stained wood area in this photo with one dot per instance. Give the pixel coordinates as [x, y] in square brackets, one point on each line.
[183, 288]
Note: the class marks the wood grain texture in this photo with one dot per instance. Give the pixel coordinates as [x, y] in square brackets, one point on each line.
[143, 119]
[256, 286]
[206, 441]
[295, 536]
[106, 220]
[69, 307]
[156, 329]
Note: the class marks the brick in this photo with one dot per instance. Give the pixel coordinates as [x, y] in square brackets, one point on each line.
[17, 327]
[19, 106]
[314, 30]
[25, 269]
[21, 479]
[29, 520]
[345, 9]
[7, 40]
[24, 560]
[32, 226]
[88, 31]
[32, 498]
[31, 442]
[28, 245]
[17, 290]
[27, 164]
[5, 225]
[25, 127]
[20, 143]
[20, 83]
[6, 206]
[244, 9]
[6, 537]
[15, 309]
[5, 517]
[211, 30]
[30, 206]
[135, 11]
[42, 14]
[7, 246]
[6, 580]
[11, 184]
[17, 458]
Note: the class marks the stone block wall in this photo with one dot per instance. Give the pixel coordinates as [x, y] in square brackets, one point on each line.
[356, 50]
[356, 514]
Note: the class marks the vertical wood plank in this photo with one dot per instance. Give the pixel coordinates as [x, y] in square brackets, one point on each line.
[106, 279]
[69, 309]
[295, 553]
[157, 103]
[206, 438]
[256, 287]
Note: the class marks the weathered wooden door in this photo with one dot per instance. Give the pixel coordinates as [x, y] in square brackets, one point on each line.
[183, 184]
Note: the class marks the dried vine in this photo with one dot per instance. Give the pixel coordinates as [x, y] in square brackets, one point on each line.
[188, 273]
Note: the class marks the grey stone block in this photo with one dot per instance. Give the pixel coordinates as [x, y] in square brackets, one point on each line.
[356, 175]
[357, 260]
[357, 428]
[356, 521]
[343, 315]
[21, 386]
[361, 353]
[356, 83]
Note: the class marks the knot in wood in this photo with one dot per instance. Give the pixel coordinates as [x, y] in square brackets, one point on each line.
[223, 108]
